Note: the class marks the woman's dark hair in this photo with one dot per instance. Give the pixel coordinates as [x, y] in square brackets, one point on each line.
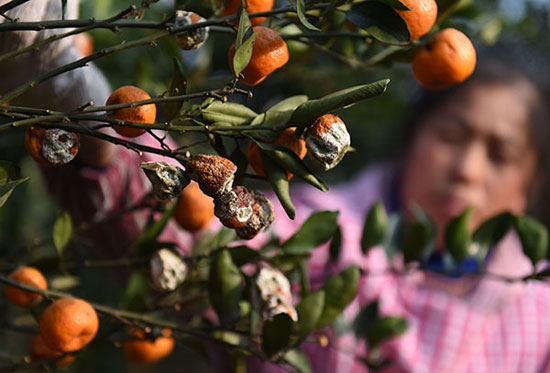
[498, 68]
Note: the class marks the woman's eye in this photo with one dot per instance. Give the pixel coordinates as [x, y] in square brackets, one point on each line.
[451, 133]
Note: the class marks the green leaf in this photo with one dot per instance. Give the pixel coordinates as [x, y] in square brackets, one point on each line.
[458, 237]
[276, 117]
[137, 288]
[492, 231]
[309, 311]
[380, 21]
[273, 123]
[242, 255]
[375, 329]
[225, 287]
[289, 103]
[289, 161]
[7, 189]
[385, 328]
[243, 54]
[298, 360]
[62, 232]
[374, 229]
[316, 230]
[416, 241]
[8, 172]
[227, 337]
[276, 333]
[335, 245]
[340, 290]
[364, 319]
[307, 112]
[228, 112]
[288, 262]
[534, 238]
[279, 182]
[301, 10]
[149, 236]
[178, 87]
[243, 31]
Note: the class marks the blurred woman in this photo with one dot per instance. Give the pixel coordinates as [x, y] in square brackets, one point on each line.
[482, 144]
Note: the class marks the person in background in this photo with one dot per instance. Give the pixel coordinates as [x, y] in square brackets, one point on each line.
[484, 144]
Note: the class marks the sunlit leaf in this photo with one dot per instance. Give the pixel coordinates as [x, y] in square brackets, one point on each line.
[228, 112]
[307, 112]
[243, 53]
[62, 232]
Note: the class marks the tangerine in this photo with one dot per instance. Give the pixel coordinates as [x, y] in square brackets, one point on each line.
[232, 7]
[448, 59]
[51, 146]
[28, 276]
[286, 139]
[142, 114]
[68, 324]
[420, 18]
[41, 351]
[84, 43]
[144, 351]
[195, 209]
[269, 53]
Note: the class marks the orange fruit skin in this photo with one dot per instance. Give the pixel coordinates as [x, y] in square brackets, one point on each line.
[449, 59]
[84, 43]
[28, 276]
[421, 18]
[195, 209]
[68, 324]
[34, 143]
[286, 139]
[41, 351]
[142, 114]
[269, 53]
[254, 6]
[145, 351]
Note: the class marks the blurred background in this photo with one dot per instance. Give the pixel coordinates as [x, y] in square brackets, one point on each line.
[375, 125]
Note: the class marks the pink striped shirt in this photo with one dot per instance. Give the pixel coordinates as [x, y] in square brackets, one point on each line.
[455, 325]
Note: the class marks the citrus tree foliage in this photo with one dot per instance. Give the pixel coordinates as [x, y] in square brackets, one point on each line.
[223, 298]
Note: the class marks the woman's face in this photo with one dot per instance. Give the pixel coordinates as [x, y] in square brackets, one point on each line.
[474, 150]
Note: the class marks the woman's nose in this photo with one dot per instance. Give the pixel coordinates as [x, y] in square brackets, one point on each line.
[470, 163]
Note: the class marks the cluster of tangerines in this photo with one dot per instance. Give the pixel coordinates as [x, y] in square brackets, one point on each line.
[447, 58]
[69, 324]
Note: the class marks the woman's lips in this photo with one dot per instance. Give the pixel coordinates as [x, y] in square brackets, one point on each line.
[452, 206]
